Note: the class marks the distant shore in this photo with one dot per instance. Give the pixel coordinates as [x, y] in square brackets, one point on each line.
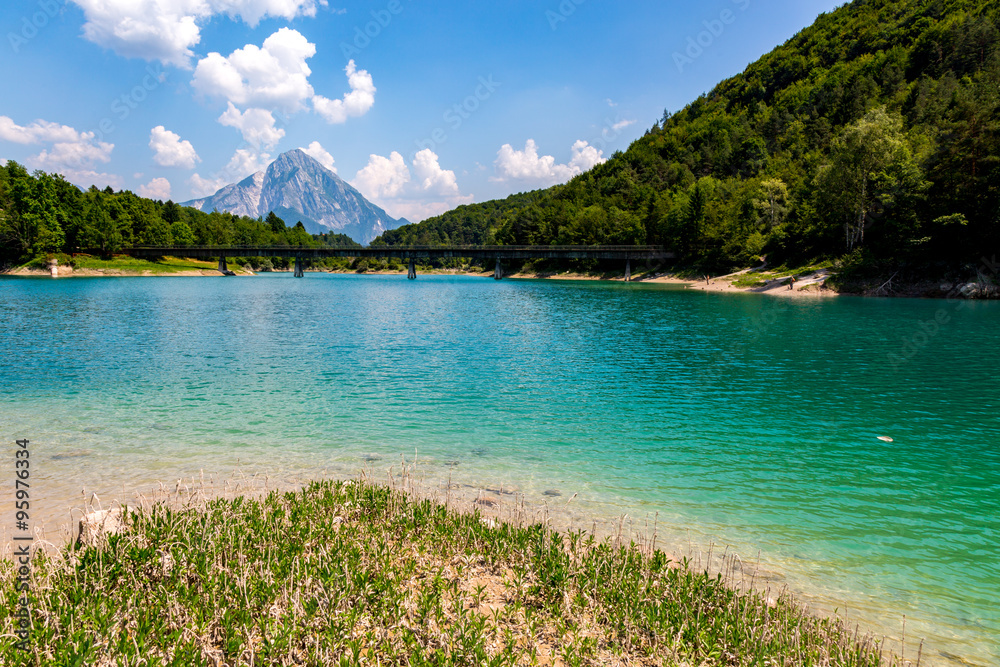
[806, 288]
[806, 282]
[70, 272]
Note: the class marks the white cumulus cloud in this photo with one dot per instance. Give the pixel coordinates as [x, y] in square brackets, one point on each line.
[243, 163]
[273, 76]
[74, 154]
[316, 151]
[383, 177]
[252, 11]
[40, 131]
[256, 125]
[585, 157]
[425, 191]
[69, 152]
[167, 30]
[527, 166]
[205, 187]
[431, 178]
[158, 188]
[170, 151]
[354, 104]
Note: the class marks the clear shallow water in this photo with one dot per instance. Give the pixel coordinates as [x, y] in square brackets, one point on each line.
[742, 420]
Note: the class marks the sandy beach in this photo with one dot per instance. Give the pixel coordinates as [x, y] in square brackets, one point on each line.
[810, 285]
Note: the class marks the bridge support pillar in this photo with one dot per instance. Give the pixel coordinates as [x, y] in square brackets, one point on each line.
[498, 272]
[412, 275]
[628, 270]
[299, 273]
[222, 264]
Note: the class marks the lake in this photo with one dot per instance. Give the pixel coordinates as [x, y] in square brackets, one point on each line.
[743, 421]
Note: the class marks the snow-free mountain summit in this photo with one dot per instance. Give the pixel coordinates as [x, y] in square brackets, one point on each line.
[298, 188]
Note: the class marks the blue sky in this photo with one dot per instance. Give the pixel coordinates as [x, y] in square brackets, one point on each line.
[421, 106]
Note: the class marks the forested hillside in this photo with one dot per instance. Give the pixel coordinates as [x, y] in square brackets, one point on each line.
[875, 132]
[465, 225]
[43, 214]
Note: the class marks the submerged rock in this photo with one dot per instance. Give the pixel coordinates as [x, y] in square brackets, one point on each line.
[552, 493]
[79, 454]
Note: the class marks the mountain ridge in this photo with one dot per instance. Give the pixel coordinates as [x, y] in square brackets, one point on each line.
[297, 188]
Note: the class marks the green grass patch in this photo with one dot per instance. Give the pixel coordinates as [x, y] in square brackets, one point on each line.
[750, 280]
[164, 266]
[754, 279]
[352, 574]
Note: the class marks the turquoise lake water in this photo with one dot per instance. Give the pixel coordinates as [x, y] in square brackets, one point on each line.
[742, 420]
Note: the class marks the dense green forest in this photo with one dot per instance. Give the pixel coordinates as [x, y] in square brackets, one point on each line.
[43, 214]
[874, 133]
[465, 225]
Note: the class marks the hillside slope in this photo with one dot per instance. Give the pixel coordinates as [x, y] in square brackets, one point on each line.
[875, 132]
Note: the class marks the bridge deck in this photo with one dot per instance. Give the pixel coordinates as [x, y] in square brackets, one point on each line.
[411, 252]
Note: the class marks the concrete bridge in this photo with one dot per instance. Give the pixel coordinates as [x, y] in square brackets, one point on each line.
[303, 254]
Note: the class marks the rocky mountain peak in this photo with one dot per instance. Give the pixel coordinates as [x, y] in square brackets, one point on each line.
[300, 189]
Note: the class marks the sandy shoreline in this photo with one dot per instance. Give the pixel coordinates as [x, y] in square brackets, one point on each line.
[810, 286]
[807, 284]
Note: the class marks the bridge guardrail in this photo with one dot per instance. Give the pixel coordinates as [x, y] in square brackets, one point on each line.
[478, 248]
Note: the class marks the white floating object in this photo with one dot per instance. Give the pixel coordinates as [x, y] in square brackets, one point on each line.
[885, 438]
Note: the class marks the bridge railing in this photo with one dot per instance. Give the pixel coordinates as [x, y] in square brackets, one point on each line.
[420, 248]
